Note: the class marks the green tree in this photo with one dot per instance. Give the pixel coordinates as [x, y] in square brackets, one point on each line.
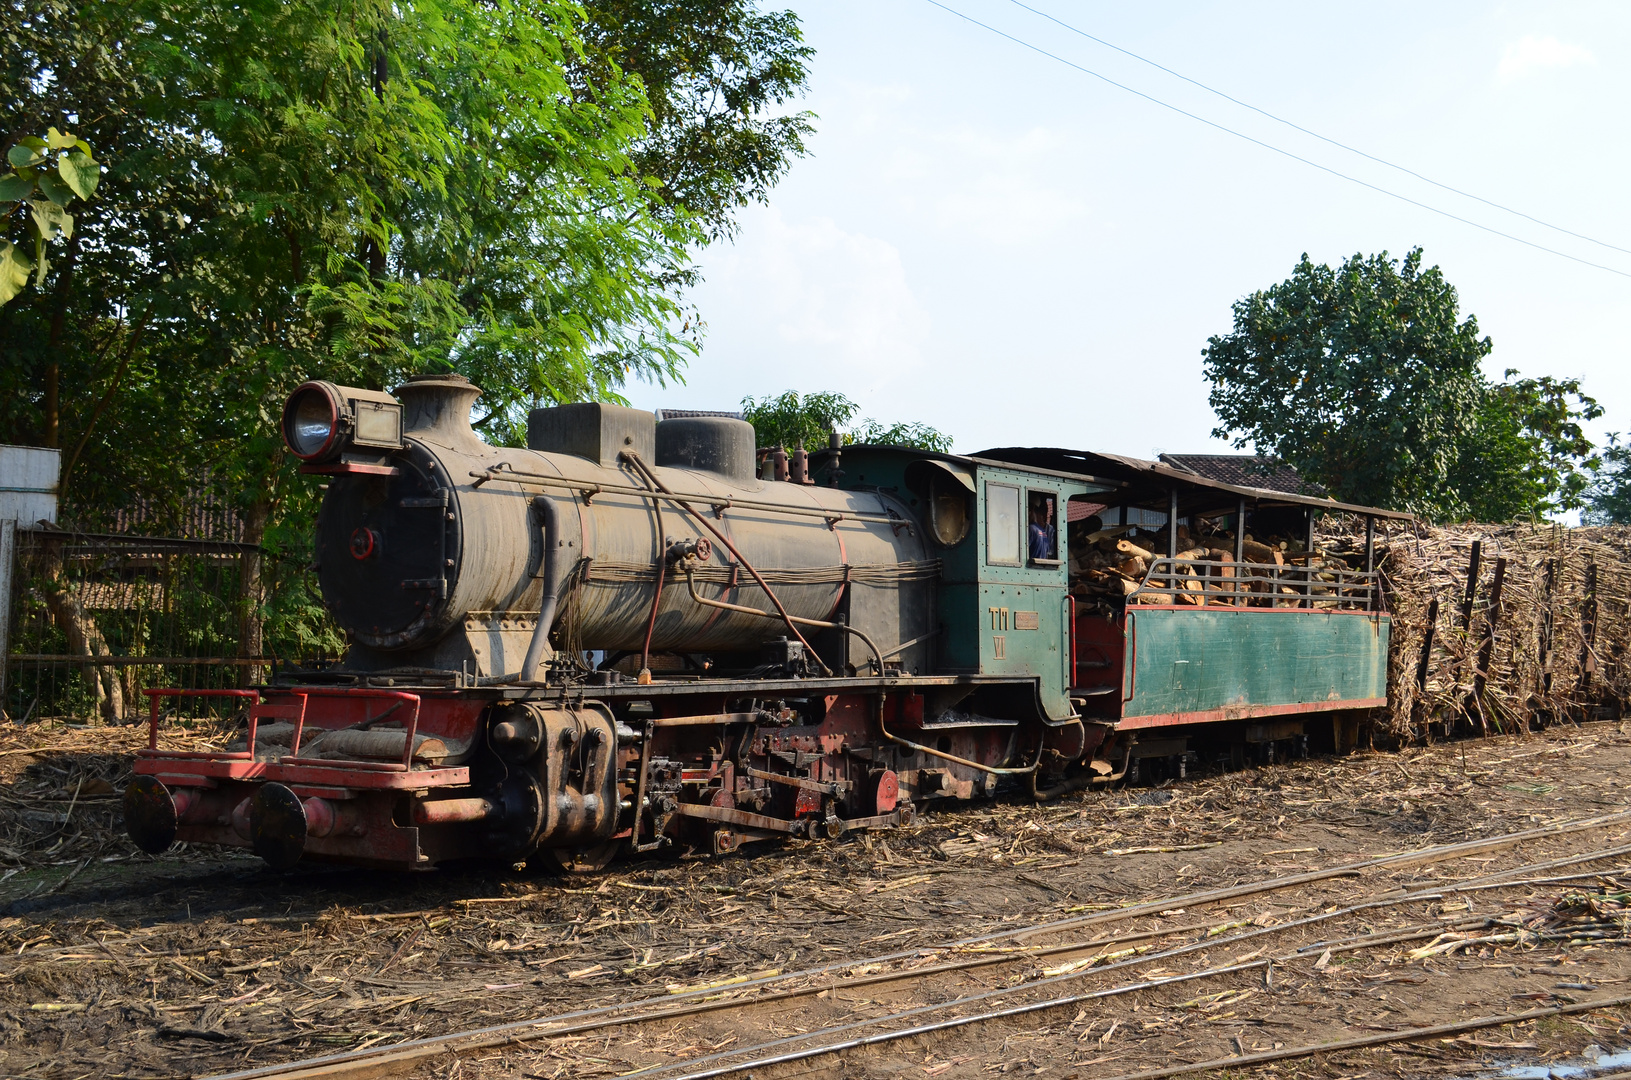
[1526, 454]
[915, 435]
[46, 174]
[718, 74]
[1367, 380]
[790, 421]
[1608, 496]
[355, 190]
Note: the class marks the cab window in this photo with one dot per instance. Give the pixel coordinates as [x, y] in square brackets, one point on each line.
[1002, 525]
[1042, 527]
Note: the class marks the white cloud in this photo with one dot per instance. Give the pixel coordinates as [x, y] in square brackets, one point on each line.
[821, 295]
[1011, 189]
[1531, 52]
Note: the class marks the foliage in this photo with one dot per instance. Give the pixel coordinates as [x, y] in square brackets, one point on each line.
[1526, 453]
[1608, 497]
[790, 421]
[1367, 380]
[355, 190]
[717, 74]
[918, 436]
[47, 173]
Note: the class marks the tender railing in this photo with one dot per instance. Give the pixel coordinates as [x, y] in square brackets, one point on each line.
[1212, 583]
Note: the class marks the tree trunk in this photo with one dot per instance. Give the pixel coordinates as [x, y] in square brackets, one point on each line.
[53, 343]
[84, 637]
[51, 409]
[251, 590]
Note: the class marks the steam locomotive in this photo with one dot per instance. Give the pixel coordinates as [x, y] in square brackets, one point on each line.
[648, 635]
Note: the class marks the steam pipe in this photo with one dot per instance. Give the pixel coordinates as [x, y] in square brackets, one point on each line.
[1028, 770]
[691, 584]
[657, 595]
[549, 524]
[651, 478]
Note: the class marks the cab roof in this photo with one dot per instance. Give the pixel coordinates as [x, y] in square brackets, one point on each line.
[1147, 484]
[1139, 483]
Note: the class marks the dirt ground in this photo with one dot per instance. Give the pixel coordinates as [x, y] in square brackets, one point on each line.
[114, 963]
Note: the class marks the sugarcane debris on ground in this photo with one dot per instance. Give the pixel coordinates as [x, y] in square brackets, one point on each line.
[120, 964]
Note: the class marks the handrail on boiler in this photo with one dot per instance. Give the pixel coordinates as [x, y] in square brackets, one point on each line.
[685, 499]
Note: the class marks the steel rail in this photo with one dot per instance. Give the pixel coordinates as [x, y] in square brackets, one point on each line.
[1441, 853]
[946, 1025]
[1336, 945]
[371, 1067]
[718, 1003]
[526, 1030]
[1364, 1041]
[1362, 941]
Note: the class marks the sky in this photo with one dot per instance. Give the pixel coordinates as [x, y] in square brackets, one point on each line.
[1019, 253]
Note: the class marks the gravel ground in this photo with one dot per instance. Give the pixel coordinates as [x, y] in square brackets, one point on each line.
[118, 964]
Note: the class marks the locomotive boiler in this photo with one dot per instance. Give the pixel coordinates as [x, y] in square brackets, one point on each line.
[644, 634]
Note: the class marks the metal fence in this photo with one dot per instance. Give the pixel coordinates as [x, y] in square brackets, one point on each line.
[1205, 582]
[97, 618]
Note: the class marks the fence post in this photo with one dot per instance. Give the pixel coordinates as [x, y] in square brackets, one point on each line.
[8, 565]
[1486, 652]
[1588, 632]
[1418, 710]
[1308, 563]
[1548, 619]
[1472, 585]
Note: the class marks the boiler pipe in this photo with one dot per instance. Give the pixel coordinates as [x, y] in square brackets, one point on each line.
[451, 811]
[690, 583]
[651, 478]
[549, 523]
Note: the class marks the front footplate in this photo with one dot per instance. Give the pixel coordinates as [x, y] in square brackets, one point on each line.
[281, 823]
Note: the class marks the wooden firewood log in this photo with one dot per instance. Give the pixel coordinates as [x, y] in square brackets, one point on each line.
[1260, 553]
[1127, 547]
[1133, 567]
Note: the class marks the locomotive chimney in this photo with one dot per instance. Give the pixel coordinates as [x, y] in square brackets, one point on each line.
[438, 406]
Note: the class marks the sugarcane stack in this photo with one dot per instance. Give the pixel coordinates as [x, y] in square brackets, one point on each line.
[1531, 630]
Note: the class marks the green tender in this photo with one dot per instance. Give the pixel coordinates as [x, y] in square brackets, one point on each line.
[1241, 662]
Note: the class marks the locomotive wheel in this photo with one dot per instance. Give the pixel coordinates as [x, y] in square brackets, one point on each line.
[589, 860]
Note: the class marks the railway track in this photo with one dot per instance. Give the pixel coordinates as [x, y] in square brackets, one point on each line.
[1108, 956]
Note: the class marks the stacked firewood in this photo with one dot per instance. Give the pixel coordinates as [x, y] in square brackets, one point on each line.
[1115, 562]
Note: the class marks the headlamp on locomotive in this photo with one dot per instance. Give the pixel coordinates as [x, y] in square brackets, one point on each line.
[323, 421]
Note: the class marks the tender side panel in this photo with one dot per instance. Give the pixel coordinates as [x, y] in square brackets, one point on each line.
[1190, 666]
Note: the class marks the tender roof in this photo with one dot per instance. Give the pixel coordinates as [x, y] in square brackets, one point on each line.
[1147, 483]
[1247, 470]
